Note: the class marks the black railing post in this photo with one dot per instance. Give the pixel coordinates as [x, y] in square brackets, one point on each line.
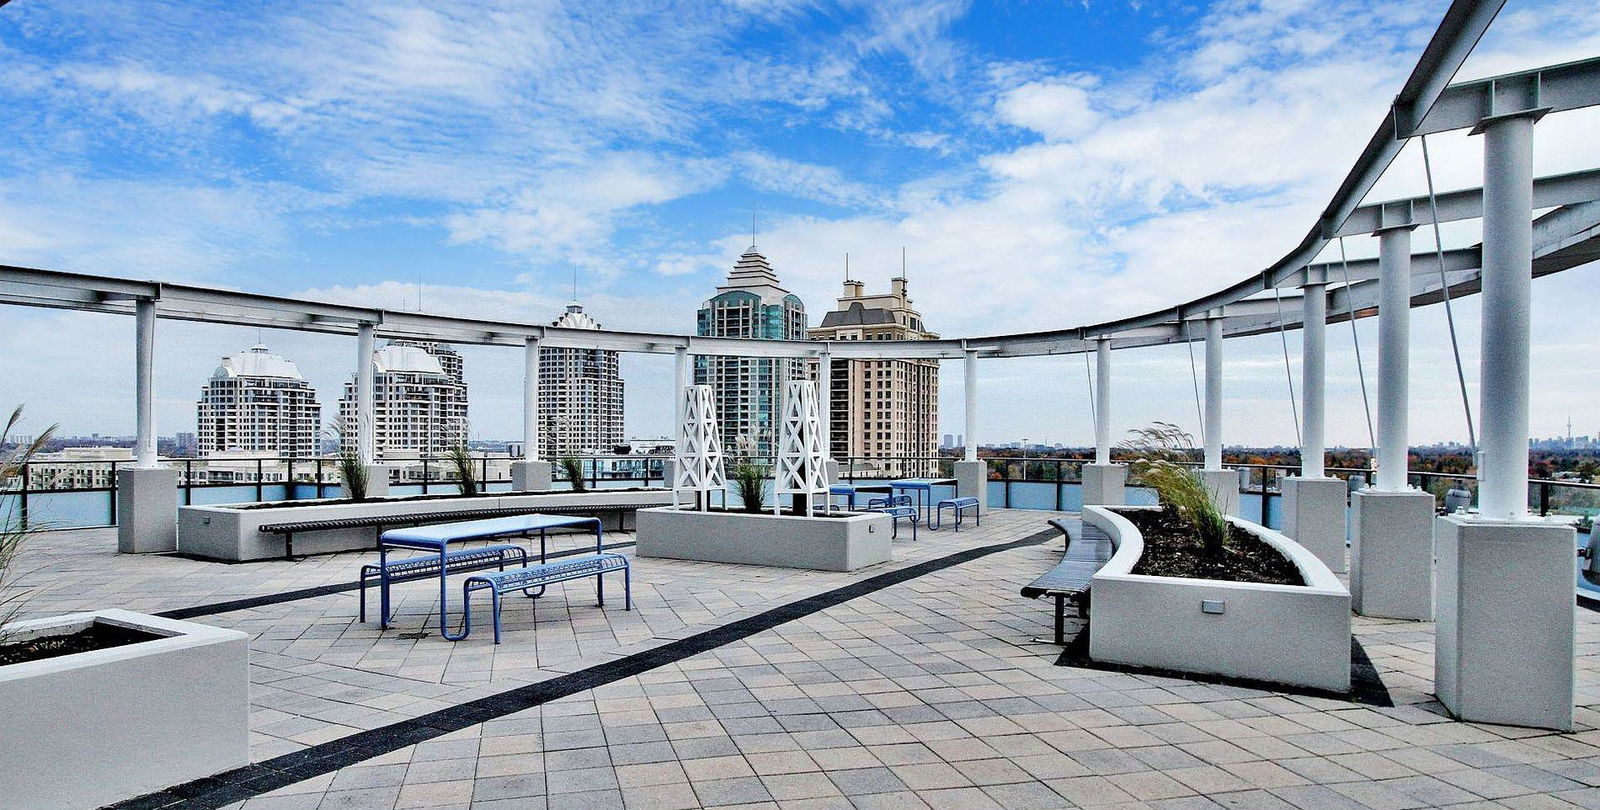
[1544, 498]
[424, 475]
[261, 494]
[23, 498]
[188, 482]
[112, 492]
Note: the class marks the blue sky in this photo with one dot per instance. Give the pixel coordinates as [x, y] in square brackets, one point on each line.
[1044, 163]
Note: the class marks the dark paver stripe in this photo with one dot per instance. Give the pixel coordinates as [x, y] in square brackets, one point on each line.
[261, 777]
[321, 590]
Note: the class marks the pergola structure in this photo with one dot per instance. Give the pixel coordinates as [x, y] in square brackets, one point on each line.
[1516, 247]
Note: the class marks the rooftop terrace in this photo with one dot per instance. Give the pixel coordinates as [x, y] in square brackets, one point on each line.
[916, 684]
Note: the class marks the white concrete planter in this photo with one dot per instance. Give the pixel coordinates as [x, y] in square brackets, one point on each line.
[227, 532]
[787, 541]
[93, 728]
[1288, 634]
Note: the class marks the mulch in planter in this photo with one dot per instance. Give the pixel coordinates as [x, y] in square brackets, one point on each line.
[96, 636]
[1172, 549]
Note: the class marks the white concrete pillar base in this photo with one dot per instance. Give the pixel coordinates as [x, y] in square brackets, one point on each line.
[1313, 516]
[1504, 645]
[530, 476]
[1224, 488]
[1103, 484]
[377, 480]
[972, 481]
[1391, 554]
[669, 471]
[147, 509]
[831, 469]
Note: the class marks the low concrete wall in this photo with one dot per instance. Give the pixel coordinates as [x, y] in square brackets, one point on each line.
[786, 541]
[229, 533]
[1289, 634]
[98, 727]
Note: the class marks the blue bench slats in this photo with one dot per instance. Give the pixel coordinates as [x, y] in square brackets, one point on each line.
[424, 566]
[538, 576]
[957, 507]
[904, 511]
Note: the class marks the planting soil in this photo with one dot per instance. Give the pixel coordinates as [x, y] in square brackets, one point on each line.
[94, 637]
[1173, 549]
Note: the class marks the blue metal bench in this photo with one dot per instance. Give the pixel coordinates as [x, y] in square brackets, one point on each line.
[426, 566]
[898, 512]
[958, 507]
[538, 576]
[888, 501]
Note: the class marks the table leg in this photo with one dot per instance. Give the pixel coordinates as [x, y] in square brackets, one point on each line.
[599, 543]
[444, 612]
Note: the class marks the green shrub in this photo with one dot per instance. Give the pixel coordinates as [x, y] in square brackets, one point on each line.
[14, 528]
[750, 479]
[572, 466]
[461, 463]
[1159, 451]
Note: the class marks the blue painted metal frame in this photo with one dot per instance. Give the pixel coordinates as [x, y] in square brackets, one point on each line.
[957, 507]
[539, 576]
[898, 512]
[923, 487]
[438, 537]
[410, 568]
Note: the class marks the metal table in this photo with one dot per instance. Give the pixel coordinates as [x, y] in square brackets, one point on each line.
[437, 538]
[923, 487]
[850, 490]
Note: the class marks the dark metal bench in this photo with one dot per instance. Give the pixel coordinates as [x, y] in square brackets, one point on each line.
[896, 513]
[426, 566]
[538, 576]
[381, 523]
[1088, 550]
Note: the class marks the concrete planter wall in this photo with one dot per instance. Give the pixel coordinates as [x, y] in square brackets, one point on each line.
[93, 728]
[786, 541]
[226, 532]
[1289, 634]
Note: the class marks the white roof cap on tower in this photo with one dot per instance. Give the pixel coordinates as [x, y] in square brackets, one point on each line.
[257, 361]
[406, 357]
[576, 318]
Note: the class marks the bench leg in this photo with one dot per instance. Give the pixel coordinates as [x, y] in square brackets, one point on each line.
[627, 587]
[913, 528]
[494, 600]
[1061, 619]
[383, 589]
[363, 597]
[466, 615]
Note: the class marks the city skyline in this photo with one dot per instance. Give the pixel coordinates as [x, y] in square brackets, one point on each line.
[989, 157]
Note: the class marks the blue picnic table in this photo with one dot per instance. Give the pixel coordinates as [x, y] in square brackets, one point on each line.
[923, 490]
[849, 491]
[438, 537]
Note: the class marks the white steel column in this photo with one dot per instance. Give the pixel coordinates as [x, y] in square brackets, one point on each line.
[1102, 401]
[825, 400]
[1213, 427]
[1394, 352]
[680, 377]
[530, 400]
[144, 336]
[1507, 298]
[1313, 361]
[970, 441]
[366, 416]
